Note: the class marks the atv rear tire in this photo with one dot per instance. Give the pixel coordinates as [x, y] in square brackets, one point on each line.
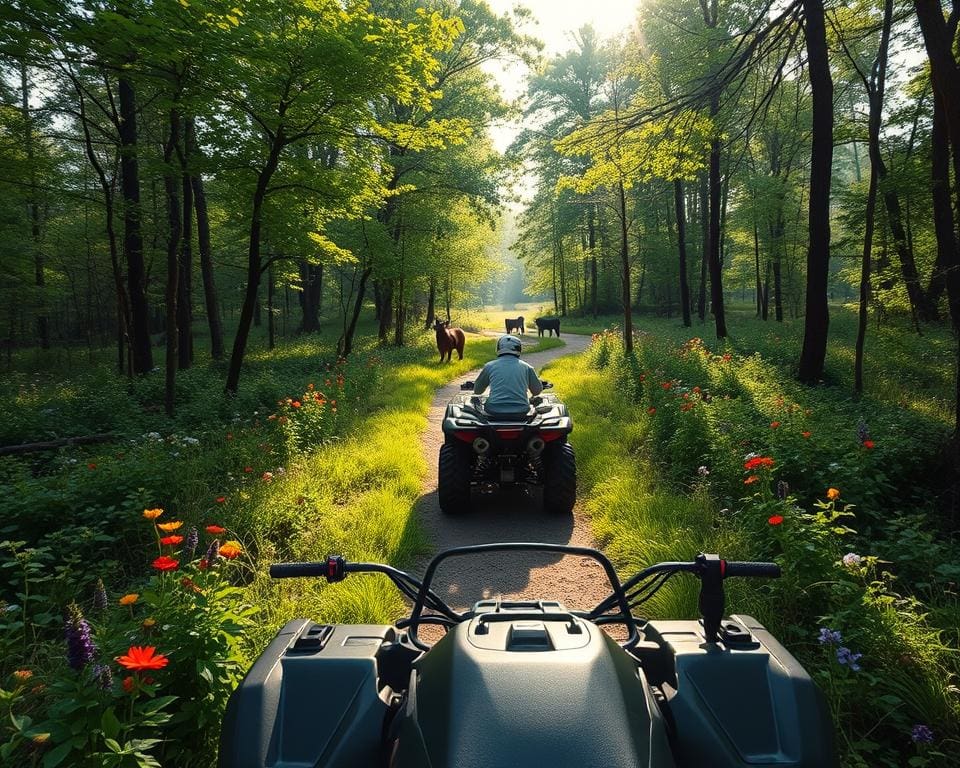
[453, 482]
[560, 479]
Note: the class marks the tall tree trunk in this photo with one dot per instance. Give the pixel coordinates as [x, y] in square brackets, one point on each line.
[756, 259]
[254, 267]
[170, 181]
[817, 319]
[271, 320]
[141, 352]
[33, 206]
[311, 280]
[682, 249]
[625, 266]
[704, 246]
[716, 189]
[185, 277]
[592, 245]
[432, 299]
[345, 346]
[943, 220]
[386, 310]
[210, 300]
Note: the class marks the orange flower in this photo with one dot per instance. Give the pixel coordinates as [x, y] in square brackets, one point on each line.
[171, 541]
[129, 684]
[833, 494]
[774, 424]
[806, 435]
[170, 527]
[295, 403]
[221, 499]
[22, 675]
[230, 549]
[215, 530]
[129, 599]
[152, 514]
[187, 583]
[775, 519]
[758, 462]
[751, 480]
[165, 563]
[140, 658]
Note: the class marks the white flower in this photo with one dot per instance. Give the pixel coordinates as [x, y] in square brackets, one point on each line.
[833, 466]
[750, 456]
[852, 559]
[152, 436]
[191, 441]
[703, 471]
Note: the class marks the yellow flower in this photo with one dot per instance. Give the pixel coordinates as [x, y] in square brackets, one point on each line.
[40, 739]
[129, 599]
[230, 549]
[833, 494]
[169, 527]
[149, 622]
[152, 514]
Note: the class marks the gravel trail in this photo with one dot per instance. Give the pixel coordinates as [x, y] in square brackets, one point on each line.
[518, 517]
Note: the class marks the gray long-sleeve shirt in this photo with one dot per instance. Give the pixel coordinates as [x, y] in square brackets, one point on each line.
[509, 378]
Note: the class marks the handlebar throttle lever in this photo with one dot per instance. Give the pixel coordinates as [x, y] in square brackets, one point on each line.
[336, 568]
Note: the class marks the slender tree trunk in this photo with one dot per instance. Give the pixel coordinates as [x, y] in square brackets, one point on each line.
[625, 266]
[33, 205]
[592, 245]
[271, 321]
[185, 277]
[817, 318]
[716, 189]
[431, 302]
[141, 352]
[173, 265]
[386, 310]
[682, 248]
[704, 246]
[943, 221]
[756, 259]
[865, 279]
[345, 347]
[254, 267]
[210, 299]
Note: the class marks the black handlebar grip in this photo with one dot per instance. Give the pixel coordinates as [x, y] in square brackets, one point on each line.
[297, 570]
[761, 570]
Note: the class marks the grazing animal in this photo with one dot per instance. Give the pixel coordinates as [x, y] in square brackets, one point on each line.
[448, 339]
[515, 324]
[550, 324]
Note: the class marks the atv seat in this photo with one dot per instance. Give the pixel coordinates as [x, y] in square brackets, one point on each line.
[515, 416]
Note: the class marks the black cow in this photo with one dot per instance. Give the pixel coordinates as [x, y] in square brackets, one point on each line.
[550, 324]
[515, 323]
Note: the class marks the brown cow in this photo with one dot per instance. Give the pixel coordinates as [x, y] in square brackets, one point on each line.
[448, 339]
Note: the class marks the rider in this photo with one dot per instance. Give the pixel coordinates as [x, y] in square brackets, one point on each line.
[509, 378]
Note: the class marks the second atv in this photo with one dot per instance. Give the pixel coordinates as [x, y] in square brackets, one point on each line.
[483, 452]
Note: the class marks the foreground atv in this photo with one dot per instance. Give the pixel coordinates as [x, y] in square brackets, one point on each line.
[486, 452]
[529, 683]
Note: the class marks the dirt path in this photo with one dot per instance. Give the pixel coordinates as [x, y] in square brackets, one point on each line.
[577, 581]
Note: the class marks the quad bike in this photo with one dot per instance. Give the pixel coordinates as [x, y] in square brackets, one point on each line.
[486, 452]
[521, 683]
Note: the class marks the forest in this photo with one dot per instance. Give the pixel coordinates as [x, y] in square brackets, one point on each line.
[230, 225]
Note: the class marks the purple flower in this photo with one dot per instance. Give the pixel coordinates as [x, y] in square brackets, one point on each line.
[213, 552]
[848, 658]
[921, 734]
[99, 596]
[80, 646]
[829, 636]
[104, 676]
[783, 490]
[190, 545]
[862, 432]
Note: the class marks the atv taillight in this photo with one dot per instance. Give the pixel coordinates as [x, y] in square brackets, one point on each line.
[509, 434]
[467, 437]
[551, 434]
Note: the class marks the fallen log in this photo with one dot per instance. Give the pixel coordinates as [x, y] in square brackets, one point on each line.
[53, 444]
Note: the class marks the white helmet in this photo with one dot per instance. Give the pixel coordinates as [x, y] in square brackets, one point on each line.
[508, 345]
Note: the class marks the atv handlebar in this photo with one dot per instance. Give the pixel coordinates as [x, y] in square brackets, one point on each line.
[759, 570]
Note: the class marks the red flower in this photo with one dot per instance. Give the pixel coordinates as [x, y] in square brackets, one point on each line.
[667, 384]
[129, 684]
[221, 499]
[91, 465]
[140, 658]
[806, 435]
[758, 462]
[171, 541]
[775, 519]
[215, 530]
[751, 480]
[166, 563]
[204, 564]
[696, 390]
[248, 469]
[651, 411]
[774, 424]
[726, 358]
[295, 403]
[868, 444]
